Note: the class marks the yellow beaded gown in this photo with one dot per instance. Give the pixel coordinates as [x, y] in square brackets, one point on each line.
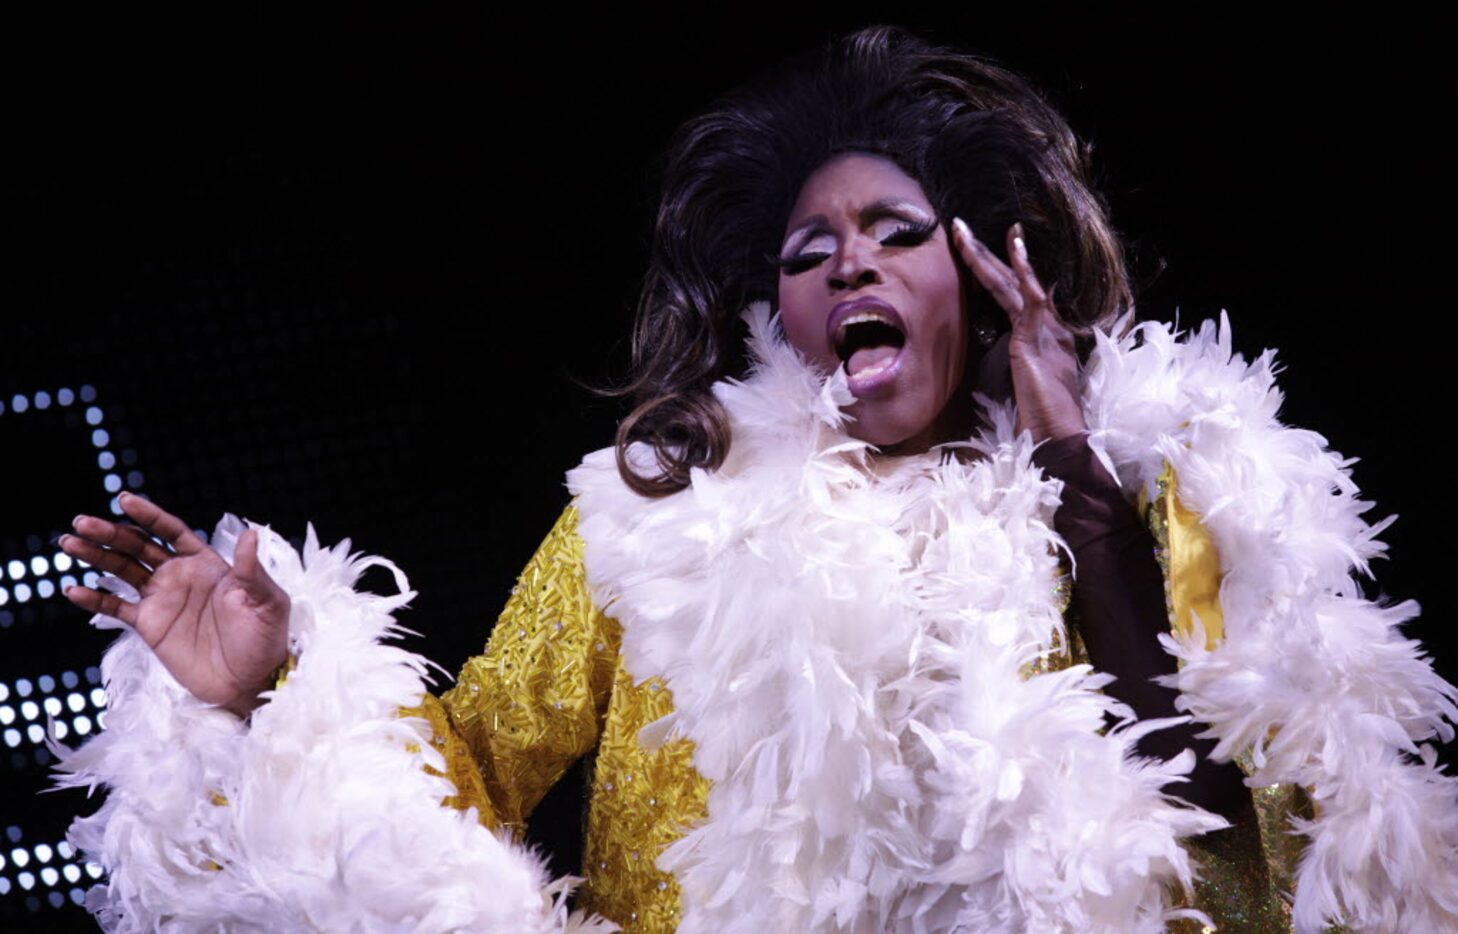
[550, 688]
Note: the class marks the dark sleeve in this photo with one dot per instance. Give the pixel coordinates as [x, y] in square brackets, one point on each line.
[1118, 595]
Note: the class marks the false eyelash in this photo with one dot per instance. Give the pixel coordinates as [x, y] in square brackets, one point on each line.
[910, 235]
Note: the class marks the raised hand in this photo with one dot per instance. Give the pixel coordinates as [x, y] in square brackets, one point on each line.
[220, 630]
[1040, 350]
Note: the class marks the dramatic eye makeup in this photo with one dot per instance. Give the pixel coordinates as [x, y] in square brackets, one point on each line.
[908, 233]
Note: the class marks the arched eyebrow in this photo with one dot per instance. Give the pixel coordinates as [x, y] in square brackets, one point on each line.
[883, 207]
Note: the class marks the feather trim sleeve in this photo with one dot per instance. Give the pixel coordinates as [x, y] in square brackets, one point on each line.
[324, 812]
[1314, 682]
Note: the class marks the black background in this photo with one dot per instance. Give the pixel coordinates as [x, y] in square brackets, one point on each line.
[344, 267]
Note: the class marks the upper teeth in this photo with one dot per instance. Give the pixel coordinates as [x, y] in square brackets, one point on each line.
[859, 317]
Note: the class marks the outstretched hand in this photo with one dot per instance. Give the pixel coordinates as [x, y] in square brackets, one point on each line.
[1040, 349]
[220, 629]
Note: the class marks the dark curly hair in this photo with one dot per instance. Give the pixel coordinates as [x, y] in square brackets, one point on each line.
[984, 144]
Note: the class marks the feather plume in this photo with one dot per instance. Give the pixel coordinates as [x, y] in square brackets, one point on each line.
[318, 814]
[843, 643]
[1311, 677]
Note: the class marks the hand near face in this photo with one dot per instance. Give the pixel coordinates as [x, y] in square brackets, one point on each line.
[220, 629]
[1040, 349]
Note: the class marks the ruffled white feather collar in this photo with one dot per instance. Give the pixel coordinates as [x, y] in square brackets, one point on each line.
[843, 644]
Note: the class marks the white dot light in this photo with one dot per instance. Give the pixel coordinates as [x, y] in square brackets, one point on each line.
[88, 392]
[64, 848]
[38, 566]
[98, 697]
[82, 725]
[43, 852]
[112, 483]
[29, 710]
[12, 737]
[60, 730]
[93, 415]
[76, 702]
[52, 705]
[36, 732]
[49, 875]
[20, 857]
[65, 396]
[93, 870]
[22, 592]
[42, 400]
[106, 460]
[71, 871]
[99, 438]
[45, 589]
[19, 404]
[7, 715]
[16, 569]
[23, 687]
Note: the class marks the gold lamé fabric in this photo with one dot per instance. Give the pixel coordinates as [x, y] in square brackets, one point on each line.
[1247, 867]
[550, 688]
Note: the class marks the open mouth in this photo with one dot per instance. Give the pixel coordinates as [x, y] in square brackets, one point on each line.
[867, 343]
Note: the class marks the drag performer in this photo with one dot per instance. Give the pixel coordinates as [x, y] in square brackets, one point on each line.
[922, 590]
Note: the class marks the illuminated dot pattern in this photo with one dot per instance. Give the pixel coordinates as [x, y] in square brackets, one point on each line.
[53, 873]
[73, 703]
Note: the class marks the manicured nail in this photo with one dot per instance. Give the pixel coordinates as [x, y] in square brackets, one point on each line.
[76, 522]
[1021, 248]
[962, 227]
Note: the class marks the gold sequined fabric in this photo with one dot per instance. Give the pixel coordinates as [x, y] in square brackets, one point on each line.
[461, 764]
[1066, 651]
[550, 687]
[641, 801]
[533, 702]
[1245, 868]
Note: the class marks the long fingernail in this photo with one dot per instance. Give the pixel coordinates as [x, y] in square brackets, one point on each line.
[77, 521]
[961, 226]
[1021, 247]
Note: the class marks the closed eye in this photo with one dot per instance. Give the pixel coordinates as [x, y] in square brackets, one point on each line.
[909, 235]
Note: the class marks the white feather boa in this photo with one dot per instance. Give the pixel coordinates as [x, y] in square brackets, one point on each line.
[1316, 680]
[844, 651]
[330, 821]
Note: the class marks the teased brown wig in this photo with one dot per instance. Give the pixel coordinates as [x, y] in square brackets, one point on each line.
[983, 143]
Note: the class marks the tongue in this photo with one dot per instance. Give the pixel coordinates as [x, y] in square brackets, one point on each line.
[870, 357]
